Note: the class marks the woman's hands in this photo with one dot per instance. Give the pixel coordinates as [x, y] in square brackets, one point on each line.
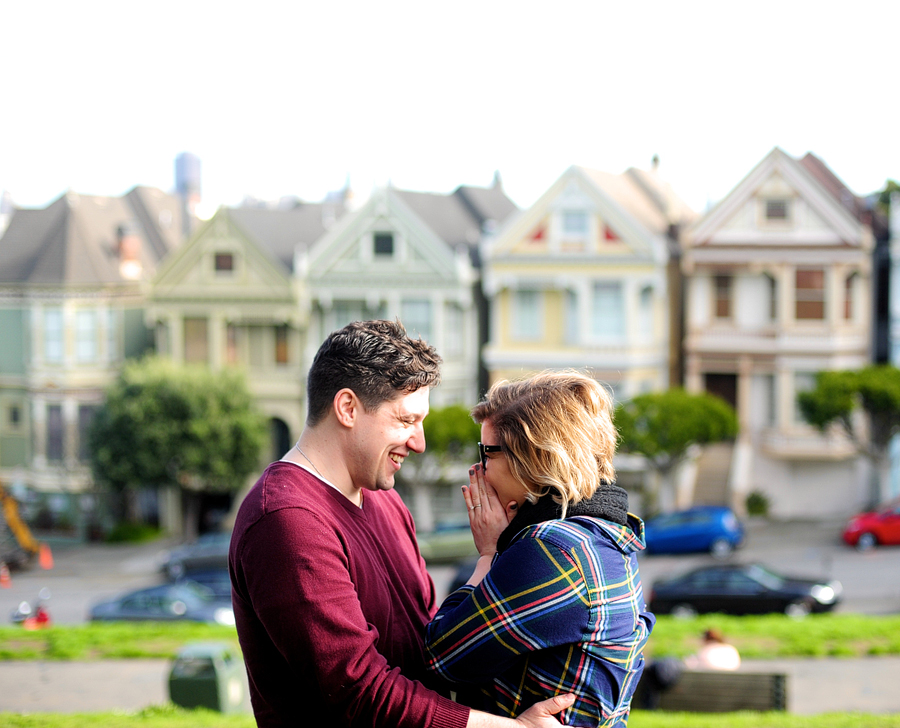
[487, 516]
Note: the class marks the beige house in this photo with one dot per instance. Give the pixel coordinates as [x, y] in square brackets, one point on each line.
[778, 279]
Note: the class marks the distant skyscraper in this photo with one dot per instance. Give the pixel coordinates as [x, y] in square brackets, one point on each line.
[187, 186]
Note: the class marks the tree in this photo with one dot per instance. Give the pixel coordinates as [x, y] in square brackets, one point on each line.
[865, 404]
[662, 426]
[163, 424]
[451, 437]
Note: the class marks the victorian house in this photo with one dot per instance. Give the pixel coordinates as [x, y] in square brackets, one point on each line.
[71, 310]
[581, 279]
[780, 286]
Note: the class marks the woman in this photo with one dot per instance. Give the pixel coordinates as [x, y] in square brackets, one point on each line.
[555, 603]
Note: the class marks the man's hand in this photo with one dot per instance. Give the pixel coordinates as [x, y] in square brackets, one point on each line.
[543, 714]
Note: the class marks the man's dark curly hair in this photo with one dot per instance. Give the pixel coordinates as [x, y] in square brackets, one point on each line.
[378, 360]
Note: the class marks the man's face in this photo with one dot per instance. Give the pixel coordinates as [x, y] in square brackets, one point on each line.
[385, 437]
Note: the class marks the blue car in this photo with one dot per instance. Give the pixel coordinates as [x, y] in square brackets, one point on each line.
[702, 528]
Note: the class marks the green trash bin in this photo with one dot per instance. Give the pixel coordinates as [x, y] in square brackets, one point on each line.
[208, 675]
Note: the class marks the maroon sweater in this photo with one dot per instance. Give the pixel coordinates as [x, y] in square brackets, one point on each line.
[331, 602]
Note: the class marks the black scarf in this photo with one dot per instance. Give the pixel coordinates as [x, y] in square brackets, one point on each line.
[609, 502]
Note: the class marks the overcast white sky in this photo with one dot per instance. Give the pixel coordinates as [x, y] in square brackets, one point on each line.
[291, 98]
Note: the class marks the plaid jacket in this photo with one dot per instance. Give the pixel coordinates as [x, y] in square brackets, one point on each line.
[561, 610]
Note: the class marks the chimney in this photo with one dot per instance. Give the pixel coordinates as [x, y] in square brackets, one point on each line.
[128, 247]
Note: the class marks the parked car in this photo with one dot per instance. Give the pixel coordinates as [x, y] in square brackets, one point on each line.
[742, 589]
[167, 603]
[880, 527]
[209, 551]
[216, 580]
[702, 528]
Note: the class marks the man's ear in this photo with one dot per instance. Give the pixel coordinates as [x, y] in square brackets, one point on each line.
[346, 407]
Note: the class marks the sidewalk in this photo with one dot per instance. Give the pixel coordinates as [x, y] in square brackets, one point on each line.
[814, 686]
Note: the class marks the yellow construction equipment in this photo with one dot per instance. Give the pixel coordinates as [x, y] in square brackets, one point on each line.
[28, 547]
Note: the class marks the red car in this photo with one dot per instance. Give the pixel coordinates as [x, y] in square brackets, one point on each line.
[880, 527]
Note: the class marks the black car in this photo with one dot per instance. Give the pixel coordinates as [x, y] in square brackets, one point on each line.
[742, 589]
[216, 580]
[209, 551]
[167, 603]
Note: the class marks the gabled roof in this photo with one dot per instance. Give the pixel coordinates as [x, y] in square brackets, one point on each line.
[637, 205]
[74, 241]
[855, 205]
[281, 233]
[460, 217]
[812, 187]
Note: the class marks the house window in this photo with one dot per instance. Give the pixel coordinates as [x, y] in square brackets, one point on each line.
[224, 262]
[453, 330]
[723, 297]
[86, 414]
[527, 315]
[574, 223]
[196, 340]
[608, 309]
[572, 323]
[53, 335]
[383, 244]
[345, 312]
[282, 355]
[645, 312]
[777, 210]
[112, 335]
[773, 296]
[86, 336]
[54, 433]
[849, 285]
[416, 317]
[14, 416]
[810, 293]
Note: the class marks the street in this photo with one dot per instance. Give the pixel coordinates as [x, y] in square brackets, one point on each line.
[85, 574]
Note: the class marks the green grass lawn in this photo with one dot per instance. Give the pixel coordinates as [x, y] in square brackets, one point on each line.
[764, 637]
[172, 717]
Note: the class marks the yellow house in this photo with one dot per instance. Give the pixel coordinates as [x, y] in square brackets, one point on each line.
[581, 279]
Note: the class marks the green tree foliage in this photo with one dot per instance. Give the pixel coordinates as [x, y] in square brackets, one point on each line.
[840, 396]
[450, 432]
[884, 196]
[165, 424]
[661, 426]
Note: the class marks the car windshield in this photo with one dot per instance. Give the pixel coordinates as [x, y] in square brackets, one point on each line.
[191, 591]
[768, 579]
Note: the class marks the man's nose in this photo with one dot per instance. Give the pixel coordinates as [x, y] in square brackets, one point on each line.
[416, 442]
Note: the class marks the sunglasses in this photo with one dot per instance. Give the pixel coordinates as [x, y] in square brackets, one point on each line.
[483, 451]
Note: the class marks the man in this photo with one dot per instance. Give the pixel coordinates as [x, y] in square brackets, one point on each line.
[330, 593]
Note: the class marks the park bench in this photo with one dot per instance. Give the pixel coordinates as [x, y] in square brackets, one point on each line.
[717, 691]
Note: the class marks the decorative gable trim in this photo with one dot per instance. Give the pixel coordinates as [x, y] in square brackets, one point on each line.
[805, 187]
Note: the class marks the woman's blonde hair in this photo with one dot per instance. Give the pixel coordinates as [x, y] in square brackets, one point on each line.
[556, 431]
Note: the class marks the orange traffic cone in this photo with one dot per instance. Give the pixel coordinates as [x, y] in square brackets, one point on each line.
[45, 557]
[5, 581]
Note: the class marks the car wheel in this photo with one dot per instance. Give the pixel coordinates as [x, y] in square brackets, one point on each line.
[720, 548]
[798, 609]
[683, 611]
[866, 542]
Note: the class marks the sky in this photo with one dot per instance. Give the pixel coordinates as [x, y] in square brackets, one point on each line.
[296, 98]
